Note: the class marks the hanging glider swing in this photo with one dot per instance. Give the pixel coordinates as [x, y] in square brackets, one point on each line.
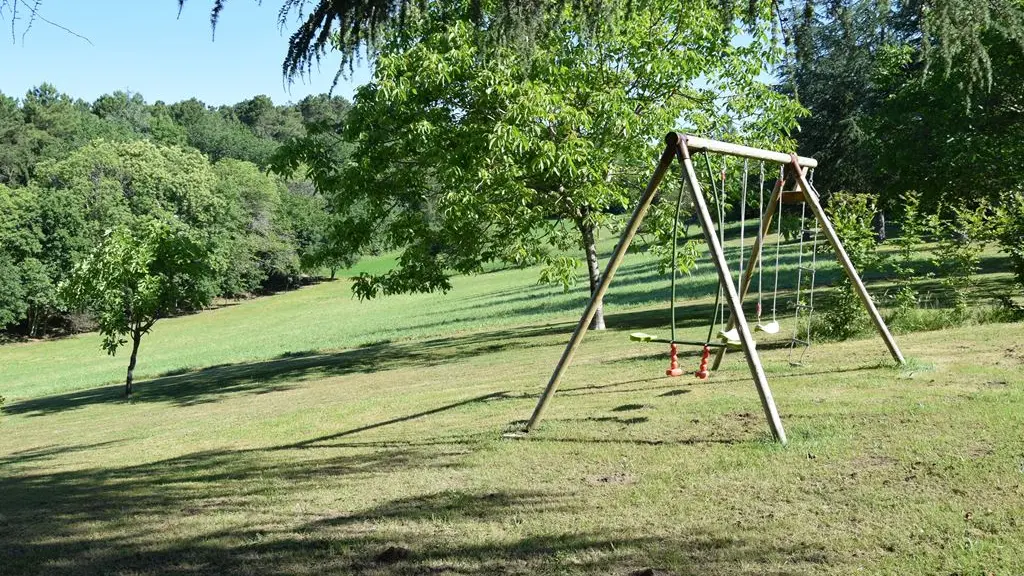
[728, 335]
[707, 344]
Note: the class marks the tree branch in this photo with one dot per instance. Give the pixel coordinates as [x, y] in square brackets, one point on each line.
[13, 6]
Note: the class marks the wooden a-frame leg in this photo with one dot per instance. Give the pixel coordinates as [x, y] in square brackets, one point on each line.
[732, 297]
[613, 264]
[755, 255]
[812, 200]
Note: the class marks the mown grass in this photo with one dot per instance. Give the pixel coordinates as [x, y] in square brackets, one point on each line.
[311, 433]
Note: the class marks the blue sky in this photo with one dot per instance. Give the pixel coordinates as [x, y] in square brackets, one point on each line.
[142, 46]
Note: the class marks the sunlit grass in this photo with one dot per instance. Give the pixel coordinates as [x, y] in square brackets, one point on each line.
[311, 433]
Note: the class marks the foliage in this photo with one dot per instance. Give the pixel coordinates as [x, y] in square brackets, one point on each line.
[885, 120]
[912, 229]
[71, 169]
[961, 236]
[319, 158]
[310, 223]
[851, 215]
[490, 156]
[951, 33]
[113, 183]
[126, 110]
[1009, 219]
[12, 293]
[218, 134]
[138, 275]
[256, 252]
[134, 278]
[351, 26]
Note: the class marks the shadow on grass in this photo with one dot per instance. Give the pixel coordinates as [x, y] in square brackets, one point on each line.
[34, 455]
[284, 372]
[319, 441]
[236, 512]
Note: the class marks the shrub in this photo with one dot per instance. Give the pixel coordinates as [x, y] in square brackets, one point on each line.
[912, 228]
[843, 314]
[961, 238]
[1009, 217]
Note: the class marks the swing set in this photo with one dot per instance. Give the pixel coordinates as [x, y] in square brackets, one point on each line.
[794, 185]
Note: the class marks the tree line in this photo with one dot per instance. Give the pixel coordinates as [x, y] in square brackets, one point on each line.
[74, 175]
[474, 143]
[932, 143]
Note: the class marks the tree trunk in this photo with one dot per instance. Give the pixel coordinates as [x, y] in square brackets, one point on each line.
[136, 339]
[333, 272]
[593, 272]
[879, 227]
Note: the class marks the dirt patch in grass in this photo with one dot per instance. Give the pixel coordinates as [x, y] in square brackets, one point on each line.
[622, 478]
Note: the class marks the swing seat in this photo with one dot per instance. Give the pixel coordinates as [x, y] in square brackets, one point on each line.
[730, 337]
[769, 328]
[640, 337]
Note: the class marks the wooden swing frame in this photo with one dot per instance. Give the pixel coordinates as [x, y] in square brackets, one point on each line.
[679, 146]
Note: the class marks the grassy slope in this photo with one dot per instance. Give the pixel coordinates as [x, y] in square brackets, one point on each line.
[309, 455]
[324, 317]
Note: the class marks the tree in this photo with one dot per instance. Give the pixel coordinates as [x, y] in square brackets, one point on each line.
[135, 277]
[319, 109]
[885, 120]
[308, 220]
[466, 154]
[12, 294]
[254, 235]
[96, 188]
[114, 182]
[219, 134]
[951, 31]
[309, 215]
[127, 110]
[24, 293]
[16, 155]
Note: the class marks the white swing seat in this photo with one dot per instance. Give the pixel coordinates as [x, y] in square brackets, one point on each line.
[730, 337]
[769, 328]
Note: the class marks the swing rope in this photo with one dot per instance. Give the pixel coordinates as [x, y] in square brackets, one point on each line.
[675, 250]
[799, 284]
[721, 217]
[760, 242]
[778, 244]
[743, 219]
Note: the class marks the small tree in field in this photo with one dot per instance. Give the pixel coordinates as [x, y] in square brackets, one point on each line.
[134, 278]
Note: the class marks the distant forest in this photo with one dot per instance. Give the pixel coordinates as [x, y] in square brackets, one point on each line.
[70, 169]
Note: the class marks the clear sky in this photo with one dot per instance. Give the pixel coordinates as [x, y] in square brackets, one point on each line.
[143, 46]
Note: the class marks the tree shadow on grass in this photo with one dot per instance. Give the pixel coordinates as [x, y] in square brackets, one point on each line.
[222, 512]
[35, 455]
[284, 372]
[319, 442]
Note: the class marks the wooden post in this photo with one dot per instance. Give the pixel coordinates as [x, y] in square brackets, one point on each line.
[766, 222]
[613, 264]
[811, 198]
[732, 297]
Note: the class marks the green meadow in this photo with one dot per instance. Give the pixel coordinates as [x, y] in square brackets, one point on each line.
[309, 432]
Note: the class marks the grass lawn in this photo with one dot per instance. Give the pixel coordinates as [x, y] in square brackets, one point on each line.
[309, 433]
